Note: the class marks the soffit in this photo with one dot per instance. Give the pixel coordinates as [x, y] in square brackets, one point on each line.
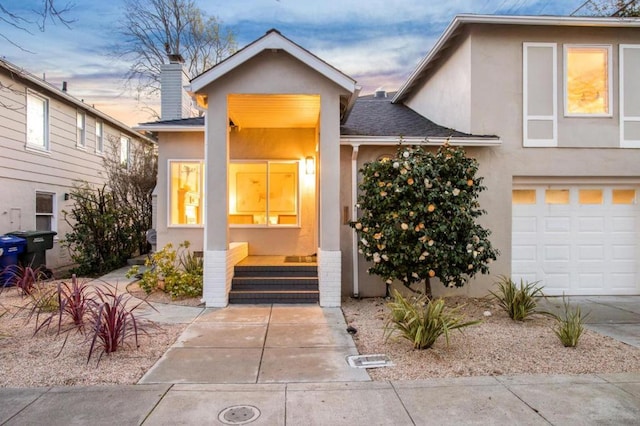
[274, 111]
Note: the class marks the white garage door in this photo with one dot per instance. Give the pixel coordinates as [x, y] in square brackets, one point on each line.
[576, 240]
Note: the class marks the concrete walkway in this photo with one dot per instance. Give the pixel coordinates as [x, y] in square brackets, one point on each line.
[285, 365]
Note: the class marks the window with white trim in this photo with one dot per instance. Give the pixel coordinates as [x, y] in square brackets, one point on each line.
[264, 193]
[81, 134]
[587, 80]
[37, 121]
[45, 211]
[540, 99]
[99, 137]
[125, 151]
[185, 192]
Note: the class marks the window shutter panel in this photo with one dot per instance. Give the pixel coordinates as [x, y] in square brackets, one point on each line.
[540, 94]
[629, 96]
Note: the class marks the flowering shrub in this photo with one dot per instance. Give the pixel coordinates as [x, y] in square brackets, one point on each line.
[418, 217]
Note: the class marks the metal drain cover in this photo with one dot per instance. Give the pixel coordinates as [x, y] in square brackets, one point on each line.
[369, 361]
[239, 415]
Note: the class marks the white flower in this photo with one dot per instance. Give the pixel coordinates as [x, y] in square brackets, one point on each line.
[480, 249]
[396, 165]
[405, 154]
[404, 226]
[456, 192]
[475, 254]
[376, 257]
[358, 226]
[427, 184]
[414, 275]
[470, 266]
[360, 251]
[389, 281]
[430, 243]
[365, 242]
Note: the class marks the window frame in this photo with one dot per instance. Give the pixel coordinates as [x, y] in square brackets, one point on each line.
[298, 200]
[81, 129]
[201, 162]
[125, 162]
[45, 147]
[565, 74]
[624, 117]
[99, 136]
[54, 209]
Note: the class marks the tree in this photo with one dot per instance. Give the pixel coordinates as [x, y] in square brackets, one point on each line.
[50, 11]
[418, 218]
[620, 8]
[154, 29]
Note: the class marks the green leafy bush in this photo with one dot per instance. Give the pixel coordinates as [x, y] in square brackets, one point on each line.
[421, 320]
[419, 215]
[570, 325]
[518, 303]
[176, 272]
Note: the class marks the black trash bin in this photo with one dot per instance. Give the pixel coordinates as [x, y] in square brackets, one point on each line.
[10, 248]
[38, 242]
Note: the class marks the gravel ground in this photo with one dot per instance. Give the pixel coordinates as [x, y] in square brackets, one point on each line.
[497, 346]
[31, 361]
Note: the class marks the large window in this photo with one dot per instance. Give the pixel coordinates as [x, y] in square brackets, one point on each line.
[588, 80]
[185, 192]
[81, 134]
[45, 208]
[264, 193]
[37, 122]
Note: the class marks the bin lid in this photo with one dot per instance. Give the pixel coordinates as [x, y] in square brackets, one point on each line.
[10, 241]
[34, 233]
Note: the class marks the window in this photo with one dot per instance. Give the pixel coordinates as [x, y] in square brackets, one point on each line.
[99, 137]
[540, 94]
[523, 196]
[590, 196]
[587, 80]
[624, 196]
[556, 196]
[264, 193]
[37, 122]
[125, 148]
[81, 137]
[45, 203]
[185, 192]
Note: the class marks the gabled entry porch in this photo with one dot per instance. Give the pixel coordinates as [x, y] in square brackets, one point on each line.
[272, 163]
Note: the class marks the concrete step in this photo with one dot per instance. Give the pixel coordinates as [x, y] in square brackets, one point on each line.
[276, 271]
[277, 296]
[275, 283]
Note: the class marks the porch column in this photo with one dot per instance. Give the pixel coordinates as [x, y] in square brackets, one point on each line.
[217, 269]
[329, 255]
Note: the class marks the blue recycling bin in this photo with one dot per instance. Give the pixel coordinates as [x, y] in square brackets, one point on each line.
[10, 248]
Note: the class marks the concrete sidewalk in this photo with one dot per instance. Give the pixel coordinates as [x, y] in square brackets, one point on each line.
[612, 399]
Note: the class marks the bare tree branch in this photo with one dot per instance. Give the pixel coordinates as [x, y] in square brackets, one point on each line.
[49, 11]
[153, 29]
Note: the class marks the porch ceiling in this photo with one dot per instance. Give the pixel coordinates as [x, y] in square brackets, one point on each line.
[274, 111]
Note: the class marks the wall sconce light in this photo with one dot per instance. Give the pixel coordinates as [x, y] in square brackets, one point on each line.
[310, 165]
[67, 196]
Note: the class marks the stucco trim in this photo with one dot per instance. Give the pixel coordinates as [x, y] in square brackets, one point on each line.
[272, 40]
[169, 128]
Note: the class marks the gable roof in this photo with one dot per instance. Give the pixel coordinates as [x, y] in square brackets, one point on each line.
[273, 39]
[460, 21]
[51, 90]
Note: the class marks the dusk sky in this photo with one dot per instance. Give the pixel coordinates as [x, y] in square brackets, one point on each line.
[378, 43]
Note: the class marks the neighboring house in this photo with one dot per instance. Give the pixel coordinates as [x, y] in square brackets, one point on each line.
[561, 94]
[48, 141]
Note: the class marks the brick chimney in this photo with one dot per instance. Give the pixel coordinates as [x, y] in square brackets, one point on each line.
[175, 102]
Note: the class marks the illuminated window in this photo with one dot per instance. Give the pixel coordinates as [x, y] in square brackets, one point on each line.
[590, 196]
[624, 196]
[81, 134]
[37, 122]
[264, 193]
[587, 80]
[556, 196]
[523, 196]
[185, 192]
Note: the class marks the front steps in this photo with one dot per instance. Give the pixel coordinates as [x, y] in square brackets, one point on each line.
[266, 284]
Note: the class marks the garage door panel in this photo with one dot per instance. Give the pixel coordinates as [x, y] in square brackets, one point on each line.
[578, 244]
[554, 253]
[557, 225]
[591, 224]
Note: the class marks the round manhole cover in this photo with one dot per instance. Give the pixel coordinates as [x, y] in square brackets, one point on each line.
[238, 415]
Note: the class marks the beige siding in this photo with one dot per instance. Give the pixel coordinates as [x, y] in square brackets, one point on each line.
[25, 170]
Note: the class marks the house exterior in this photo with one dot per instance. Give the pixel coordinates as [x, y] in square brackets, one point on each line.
[550, 107]
[48, 141]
